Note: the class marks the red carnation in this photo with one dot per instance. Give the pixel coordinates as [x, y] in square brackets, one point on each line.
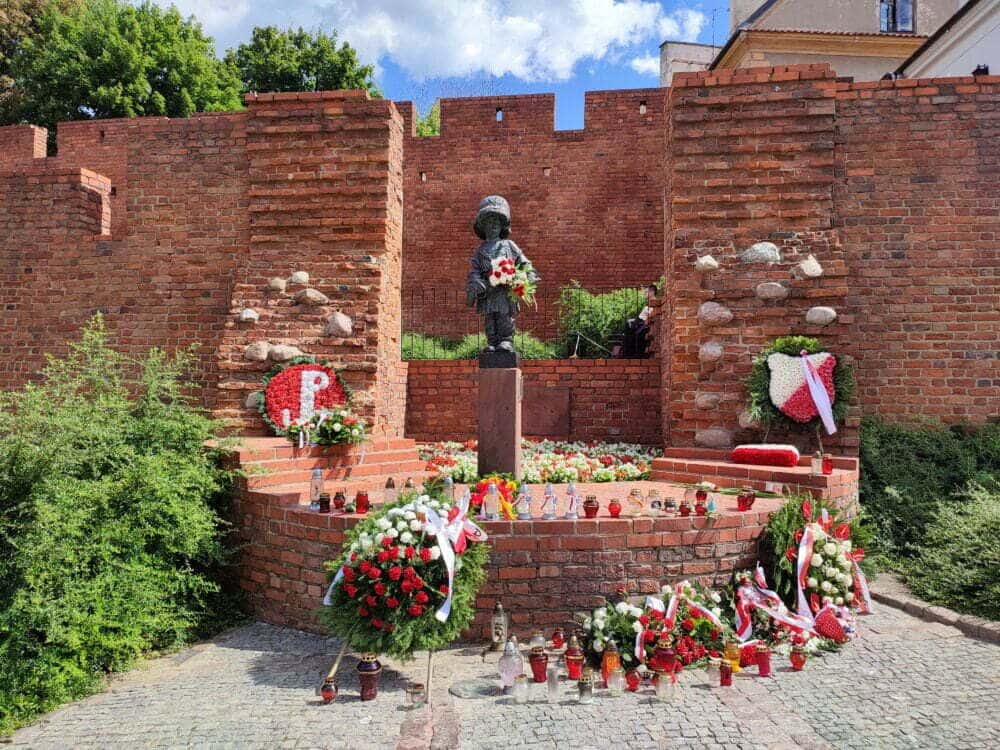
[713, 653]
[392, 602]
[395, 572]
[790, 553]
[688, 624]
[649, 636]
[421, 597]
[418, 582]
[383, 556]
[394, 552]
[415, 610]
[406, 586]
[350, 590]
[842, 532]
[409, 552]
[371, 601]
[408, 574]
[386, 542]
[425, 555]
[376, 623]
[643, 620]
[380, 588]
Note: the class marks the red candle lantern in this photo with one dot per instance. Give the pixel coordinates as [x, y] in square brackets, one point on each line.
[763, 660]
[610, 660]
[700, 508]
[329, 691]
[664, 657]
[614, 508]
[684, 508]
[361, 502]
[701, 495]
[797, 657]
[558, 638]
[539, 662]
[746, 499]
[339, 500]
[633, 680]
[591, 506]
[725, 674]
[827, 464]
[369, 669]
[574, 659]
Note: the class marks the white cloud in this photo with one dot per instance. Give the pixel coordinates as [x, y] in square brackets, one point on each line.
[213, 14]
[647, 65]
[528, 39]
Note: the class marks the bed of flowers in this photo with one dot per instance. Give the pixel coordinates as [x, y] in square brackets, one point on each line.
[549, 461]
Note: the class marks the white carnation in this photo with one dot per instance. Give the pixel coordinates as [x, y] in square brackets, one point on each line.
[846, 545]
[586, 623]
[831, 572]
[827, 600]
[416, 526]
[636, 611]
[599, 624]
[424, 499]
[409, 515]
[383, 523]
[392, 533]
[406, 537]
[844, 563]
[435, 552]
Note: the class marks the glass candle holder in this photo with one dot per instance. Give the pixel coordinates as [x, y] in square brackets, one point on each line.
[635, 502]
[633, 680]
[585, 686]
[339, 500]
[725, 673]
[763, 660]
[558, 638]
[816, 465]
[591, 506]
[665, 687]
[653, 500]
[539, 662]
[416, 694]
[324, 503]
[610, 660]
[614, 508]
[684, 509]
[712, 671]
[797, 657]
[574, 658]
[616, 681]
[552, 683]
[328, 691]
[827, 464]
[361, 502]
[732, 655]
[520, 691]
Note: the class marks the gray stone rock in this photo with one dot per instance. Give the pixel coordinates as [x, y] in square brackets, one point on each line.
[277, 284]
[299, 277]
[257, 351]
[248, 315]
[747, 422]
[339, 326]
[312, 297]
[710, 352]
[714, 314]
[821, 316]
[284, 352]
[809, 268]
[714, 438]
[762, 252]
[707, 400]
[771, 290]
[253, 400]
[706, 264]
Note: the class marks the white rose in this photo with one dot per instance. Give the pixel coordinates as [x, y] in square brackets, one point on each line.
[831, 572]
[827, 600]
[599, 624]
[392, 533]
[817, 561]
[716, 611]
[621, 607]
[435, 552]
[598, 646]
[637, 626]
[406, 537]
[337, 427]
[846, 545]
[586, 623]
[825, 586]
[367, 544]
[601, 612]
[839, 601]
[829, 549]
[850, 583]
[844, 563]
[636, 611]
[812, 583]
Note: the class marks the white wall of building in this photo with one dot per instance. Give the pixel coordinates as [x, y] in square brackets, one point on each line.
[974, 40]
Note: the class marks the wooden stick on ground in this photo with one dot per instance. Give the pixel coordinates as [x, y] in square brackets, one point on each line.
[430, 674]
[336, 665]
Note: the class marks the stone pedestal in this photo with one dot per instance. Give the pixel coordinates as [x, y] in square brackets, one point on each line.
[500, 421]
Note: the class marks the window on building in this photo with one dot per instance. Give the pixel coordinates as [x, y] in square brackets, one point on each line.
[896, 16]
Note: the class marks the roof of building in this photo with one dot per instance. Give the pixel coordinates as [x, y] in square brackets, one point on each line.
[933, 39]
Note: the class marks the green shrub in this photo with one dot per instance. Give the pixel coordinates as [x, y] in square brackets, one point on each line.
[419, 346]
[597, 317]
[908, 473]
[110, 525]
[958, 563]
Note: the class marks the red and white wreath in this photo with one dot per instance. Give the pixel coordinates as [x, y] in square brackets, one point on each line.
[293, 395]
[789, 386]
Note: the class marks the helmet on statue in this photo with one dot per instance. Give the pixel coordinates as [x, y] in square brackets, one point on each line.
[494, 205]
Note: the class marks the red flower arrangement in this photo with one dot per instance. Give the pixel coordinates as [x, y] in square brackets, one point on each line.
[285, 385]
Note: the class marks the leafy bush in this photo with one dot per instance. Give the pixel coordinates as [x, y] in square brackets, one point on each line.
[957, 564]
[110, 527]
[597, 317]
[909, 473]
[419, 346]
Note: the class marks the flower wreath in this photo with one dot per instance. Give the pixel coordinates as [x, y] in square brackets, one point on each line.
[390, 592]
[273, 396]
[798, 413]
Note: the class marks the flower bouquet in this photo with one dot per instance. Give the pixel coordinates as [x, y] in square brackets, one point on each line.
[329, 427]
[519, 279]
[507, 488]
[407, 577]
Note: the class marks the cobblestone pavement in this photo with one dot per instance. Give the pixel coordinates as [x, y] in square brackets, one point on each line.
[903, 683]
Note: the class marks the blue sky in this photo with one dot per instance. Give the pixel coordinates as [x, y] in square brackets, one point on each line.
[430, 48]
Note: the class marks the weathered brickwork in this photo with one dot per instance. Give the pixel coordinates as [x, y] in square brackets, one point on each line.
[587, 204]
[604, 399]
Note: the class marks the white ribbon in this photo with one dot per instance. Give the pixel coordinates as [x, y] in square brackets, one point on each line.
[819, 394]
[803, 561]
[448, 534]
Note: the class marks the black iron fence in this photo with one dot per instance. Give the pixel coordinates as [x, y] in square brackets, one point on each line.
[586, 323]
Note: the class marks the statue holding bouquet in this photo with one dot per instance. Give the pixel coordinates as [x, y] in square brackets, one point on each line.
[501, 276]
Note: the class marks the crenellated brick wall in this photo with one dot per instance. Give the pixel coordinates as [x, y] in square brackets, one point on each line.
[586, 399]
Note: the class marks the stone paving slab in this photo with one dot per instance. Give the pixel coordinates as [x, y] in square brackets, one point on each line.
[903, 683]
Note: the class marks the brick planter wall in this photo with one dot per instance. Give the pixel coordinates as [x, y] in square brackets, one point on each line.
[603, 399]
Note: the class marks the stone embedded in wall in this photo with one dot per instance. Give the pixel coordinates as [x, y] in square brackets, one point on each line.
[809, 268]
[771, 290]
[710, 352]
[746, 421]
[299, 277]
[714, 438]
[762, 252]
[312, 297]
[277, 284]
[254, 399]
[339, 326]
[284, 352]
[257, 351]
[821, 316]
[707, 400]
[248, 315]
[714, 314]
[706, 264]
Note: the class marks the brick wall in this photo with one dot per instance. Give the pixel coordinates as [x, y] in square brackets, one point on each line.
[918, 206]
[607, 399]
[587, 204]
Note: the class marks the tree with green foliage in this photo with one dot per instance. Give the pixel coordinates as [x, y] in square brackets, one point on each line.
[111, 523]
[297, 60]
[108, 58]
[430, 123]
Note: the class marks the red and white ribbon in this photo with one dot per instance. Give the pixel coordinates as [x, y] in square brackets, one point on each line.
[757, 595]
[451, 534]
[802, 577]
[862, 596]
[818, 393]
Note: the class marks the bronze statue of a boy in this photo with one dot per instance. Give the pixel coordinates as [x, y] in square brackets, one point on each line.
[494, 303]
